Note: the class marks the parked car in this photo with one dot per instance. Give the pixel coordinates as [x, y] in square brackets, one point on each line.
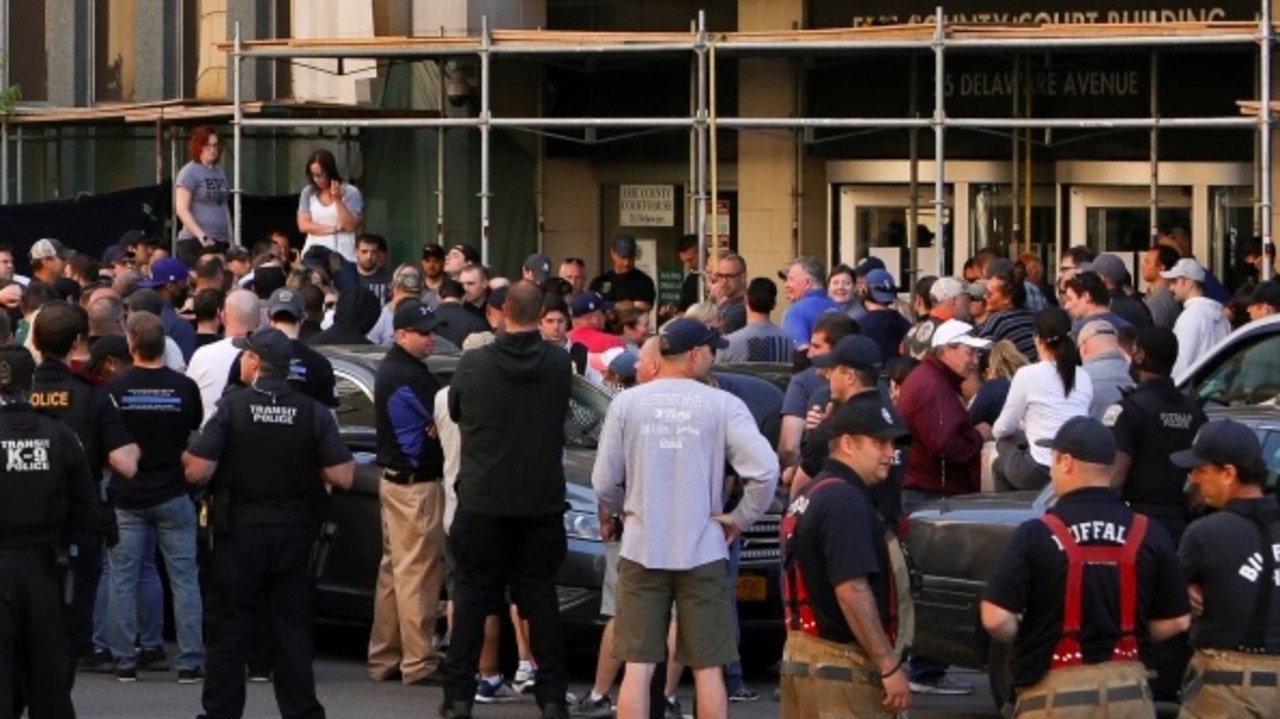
[956, 542]
[1244, 368]
[346, 589]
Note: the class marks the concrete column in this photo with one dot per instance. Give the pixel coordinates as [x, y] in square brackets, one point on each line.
[159, 59]
[67, 44]
[768, 225]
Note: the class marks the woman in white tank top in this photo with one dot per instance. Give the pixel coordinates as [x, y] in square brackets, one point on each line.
[329, 210]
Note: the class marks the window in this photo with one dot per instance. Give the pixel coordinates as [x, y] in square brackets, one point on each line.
[356, 417]
[1249, 374]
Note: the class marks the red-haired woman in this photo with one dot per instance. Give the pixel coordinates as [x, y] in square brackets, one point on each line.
[329, 210]
[200, 194]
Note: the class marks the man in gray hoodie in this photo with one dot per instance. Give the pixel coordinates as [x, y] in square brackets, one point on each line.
[1106, 365]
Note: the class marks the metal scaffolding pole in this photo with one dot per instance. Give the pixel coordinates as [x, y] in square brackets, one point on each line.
[939, 143]
[486, 132]
[4, 161]
[440, 155]
[1155, 148]
[1264, 129]
[702, 144]
[237, 125]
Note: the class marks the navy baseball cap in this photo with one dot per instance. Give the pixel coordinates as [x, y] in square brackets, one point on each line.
[270, 344]
[165, 271]
[285, 301]
[585, 303]
[880, 285]
[624, 246]
[684, 334]
[856, 351]
[116, 253]
[1266, 293]
[865, 414]
[1085, 439]
[416, 316]
[1223, 442]
[539, 266]
[868, 265]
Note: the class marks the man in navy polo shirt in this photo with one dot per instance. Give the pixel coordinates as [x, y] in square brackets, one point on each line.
[806, 285]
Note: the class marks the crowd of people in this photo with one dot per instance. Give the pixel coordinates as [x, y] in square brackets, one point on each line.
[204, 413]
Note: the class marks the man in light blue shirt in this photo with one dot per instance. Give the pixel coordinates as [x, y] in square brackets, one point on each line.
[806, 284]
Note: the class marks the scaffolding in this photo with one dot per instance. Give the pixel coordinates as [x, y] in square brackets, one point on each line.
[939, 38]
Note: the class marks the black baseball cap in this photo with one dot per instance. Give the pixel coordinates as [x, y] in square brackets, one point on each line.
[624, 246]
[684, 334]
[433, 251]
[285, 301]
[113, 345]
[131, 238]
[471, 254]
[270, 344]
[1266, 293]
[416, 316]
[1085, 439]
[498, 297]
[587, 302]
[856, 351]
[867, 265]
[867, 415]
[1223, 441]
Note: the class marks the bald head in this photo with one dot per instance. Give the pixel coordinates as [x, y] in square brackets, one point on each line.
[650, 359]
[240, 313]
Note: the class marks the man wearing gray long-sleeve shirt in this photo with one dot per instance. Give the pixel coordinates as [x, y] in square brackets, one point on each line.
[660, 464]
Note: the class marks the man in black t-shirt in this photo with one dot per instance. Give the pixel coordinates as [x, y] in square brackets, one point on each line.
[1085, 589]
[1230, 558]
[309, 371]
[837, 569]
[625, 282]
[371, 265]
[160, 408]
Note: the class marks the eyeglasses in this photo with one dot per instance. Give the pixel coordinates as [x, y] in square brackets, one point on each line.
[724, 275]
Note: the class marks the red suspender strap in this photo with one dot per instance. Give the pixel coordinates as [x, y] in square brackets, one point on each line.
[1127, 648]
[1067, 652]
[799, 613]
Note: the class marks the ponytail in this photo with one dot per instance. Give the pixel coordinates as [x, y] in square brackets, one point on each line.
[1053, 328]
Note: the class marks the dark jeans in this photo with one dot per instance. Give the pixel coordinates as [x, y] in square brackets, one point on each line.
[494, 553]
[79, 614]
[253, 565]
[33, 650]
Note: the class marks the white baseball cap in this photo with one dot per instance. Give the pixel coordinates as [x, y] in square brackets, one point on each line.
[955, 332]
[1186, 267]
[944, 288]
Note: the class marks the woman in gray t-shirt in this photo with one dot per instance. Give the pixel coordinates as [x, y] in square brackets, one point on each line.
[201, 191]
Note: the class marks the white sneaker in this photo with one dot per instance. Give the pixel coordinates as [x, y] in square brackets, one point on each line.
[525, 680]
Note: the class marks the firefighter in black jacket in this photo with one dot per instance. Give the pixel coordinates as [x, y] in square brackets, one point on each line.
[269, 447]
[46, 494]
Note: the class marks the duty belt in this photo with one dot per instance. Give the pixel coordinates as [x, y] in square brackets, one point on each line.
[1236, 679]
[1085, 697]
[397, 476]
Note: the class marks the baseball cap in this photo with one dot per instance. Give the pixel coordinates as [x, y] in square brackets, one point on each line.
[469, 252]
[136, 237]
[865, 415]
[164, 271]
[269, 343]
[621, 362]
[433, 251]
[285, 301]
[868, 265]
[955, 332]
[114, 345]
[683, 334]
[539, 266]
[977, 291]
[498, 297]
[1222, 441]
[416, 316]
[945, 288]
[856, 351]
[624, 246]
[1085, 439]
[237, 253]
[1110, 268]
[1266, 293]
[1186, 267]
[880, 285]
[47, 249]
[1092, 329]
[407, 278]
[116, 253]
[587, 302]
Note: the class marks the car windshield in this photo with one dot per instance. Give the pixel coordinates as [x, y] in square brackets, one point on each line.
[1249, 375]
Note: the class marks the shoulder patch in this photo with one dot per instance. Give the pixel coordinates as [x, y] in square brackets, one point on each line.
[1112, 414]
[924, 332]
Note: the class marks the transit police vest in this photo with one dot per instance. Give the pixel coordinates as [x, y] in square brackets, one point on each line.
[269, 457]
[59, 393]
[1068, 652]
[33, 484]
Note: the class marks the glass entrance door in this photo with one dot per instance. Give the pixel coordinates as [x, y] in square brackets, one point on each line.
[874, 221]
[1118, 219]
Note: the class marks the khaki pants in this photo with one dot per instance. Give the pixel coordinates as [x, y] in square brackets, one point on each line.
[1231, 684]
[1110, 690]
[822, 680]
[406, 601]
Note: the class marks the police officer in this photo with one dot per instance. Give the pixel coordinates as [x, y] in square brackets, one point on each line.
[841, 605]
[46, 492]
[92, 414]
[412, 501]
[1152, 422]
[266, 447]
[1231, 560]
[1075, 584]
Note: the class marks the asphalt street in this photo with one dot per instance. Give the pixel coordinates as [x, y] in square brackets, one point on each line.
[346, 691]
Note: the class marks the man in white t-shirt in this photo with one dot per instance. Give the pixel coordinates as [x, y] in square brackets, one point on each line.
[1202, 324]
[211, 363]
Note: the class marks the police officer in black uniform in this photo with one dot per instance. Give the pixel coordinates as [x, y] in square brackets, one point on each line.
[1083, 589]
[92, 414]
[46, 493]
[1152, 422]
[267, 447]
[1231, 559]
